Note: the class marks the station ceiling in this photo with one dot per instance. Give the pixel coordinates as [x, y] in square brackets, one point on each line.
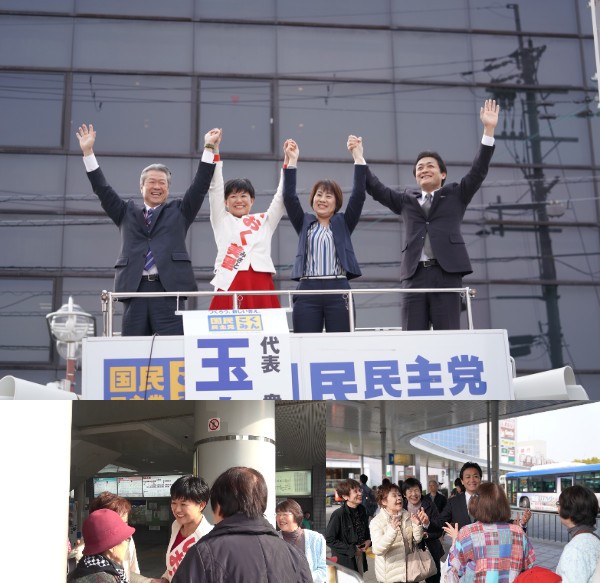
[364, 427]
[157, 437]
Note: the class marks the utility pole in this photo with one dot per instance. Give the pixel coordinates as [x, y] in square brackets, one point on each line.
[527, 59]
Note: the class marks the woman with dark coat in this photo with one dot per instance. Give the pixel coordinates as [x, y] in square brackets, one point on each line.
[348, 535]
[425, 509]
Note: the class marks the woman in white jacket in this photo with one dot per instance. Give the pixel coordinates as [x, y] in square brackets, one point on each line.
[243, 240]
[189, 496]
[392, 531]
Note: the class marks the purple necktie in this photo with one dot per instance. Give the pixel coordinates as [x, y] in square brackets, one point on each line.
[427, 246]
[149, 257]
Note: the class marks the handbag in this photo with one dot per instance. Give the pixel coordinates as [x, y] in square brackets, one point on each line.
[419, 565]
[419, 562]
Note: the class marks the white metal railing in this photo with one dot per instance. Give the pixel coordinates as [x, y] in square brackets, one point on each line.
[109, 298]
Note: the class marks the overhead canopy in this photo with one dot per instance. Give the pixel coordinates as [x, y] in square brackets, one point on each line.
[365, 427]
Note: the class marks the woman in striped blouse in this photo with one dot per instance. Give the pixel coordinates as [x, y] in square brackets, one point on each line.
[325, 259]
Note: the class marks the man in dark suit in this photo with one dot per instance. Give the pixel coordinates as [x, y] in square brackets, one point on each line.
[153, 256]
[436, 497]
[434, 254]
[455, 510]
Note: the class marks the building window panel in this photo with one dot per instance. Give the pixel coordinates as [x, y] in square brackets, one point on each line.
[242, 109]
[535, 16]
[27, 41]
[31, 242]
[444, 121]
[127, 45]
[376, 12]
[142, 8]
[242, 49]
[134, 113]
[237, 9]
[337, 53]
[24, 335]
[32, 183]
[32, 105]
[325, 113]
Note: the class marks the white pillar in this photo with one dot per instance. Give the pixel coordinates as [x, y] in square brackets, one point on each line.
[35, 458]
[236, 433]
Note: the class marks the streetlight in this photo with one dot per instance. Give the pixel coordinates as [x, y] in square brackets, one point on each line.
[69, 326]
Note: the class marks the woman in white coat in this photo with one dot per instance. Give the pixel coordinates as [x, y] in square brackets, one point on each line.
[243, 240]
[392, 530]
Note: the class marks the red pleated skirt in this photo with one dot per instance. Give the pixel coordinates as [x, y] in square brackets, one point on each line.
[244, 281]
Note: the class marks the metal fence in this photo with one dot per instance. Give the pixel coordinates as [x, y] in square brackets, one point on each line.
[109, 298]
[547, 526]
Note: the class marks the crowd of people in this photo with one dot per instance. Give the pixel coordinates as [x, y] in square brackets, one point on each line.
[240, 546]
[404, 533]
[399, 524]
[154, 258]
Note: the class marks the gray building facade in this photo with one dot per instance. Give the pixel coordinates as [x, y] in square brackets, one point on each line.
[154, 76]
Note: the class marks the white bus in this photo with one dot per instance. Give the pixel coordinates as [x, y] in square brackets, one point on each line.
[539, 489]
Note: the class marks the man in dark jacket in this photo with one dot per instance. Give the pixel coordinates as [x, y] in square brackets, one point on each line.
[436, 497]
[242, 547]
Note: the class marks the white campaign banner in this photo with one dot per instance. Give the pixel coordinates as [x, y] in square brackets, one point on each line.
[445, 365]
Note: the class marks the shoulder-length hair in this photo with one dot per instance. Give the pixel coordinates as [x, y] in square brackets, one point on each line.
[578, 504]
[328, 186]
[384, 490]
[292, 506]
[489, 504]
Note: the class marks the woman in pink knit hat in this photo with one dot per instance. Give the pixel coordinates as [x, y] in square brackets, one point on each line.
[106, 540]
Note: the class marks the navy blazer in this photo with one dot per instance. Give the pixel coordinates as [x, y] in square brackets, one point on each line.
[443, 221]
[342, 224]
[169, 228]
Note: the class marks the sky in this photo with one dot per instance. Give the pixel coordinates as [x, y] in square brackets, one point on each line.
[569, 433]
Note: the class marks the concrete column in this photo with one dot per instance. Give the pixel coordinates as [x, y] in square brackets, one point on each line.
[235, 433]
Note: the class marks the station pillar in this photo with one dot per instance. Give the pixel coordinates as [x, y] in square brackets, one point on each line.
[235, 433]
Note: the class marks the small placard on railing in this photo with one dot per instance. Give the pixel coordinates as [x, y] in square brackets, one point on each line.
[240, 353]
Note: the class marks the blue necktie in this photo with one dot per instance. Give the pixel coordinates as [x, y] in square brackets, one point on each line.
[149, 257]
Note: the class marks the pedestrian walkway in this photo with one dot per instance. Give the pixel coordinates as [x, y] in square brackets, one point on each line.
[547, 554]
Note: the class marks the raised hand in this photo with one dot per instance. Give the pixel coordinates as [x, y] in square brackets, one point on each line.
[488, 115]
[423, 518]
[291, 152]
[86, 136]
[355, 146]
[451, 530]
[214, 137]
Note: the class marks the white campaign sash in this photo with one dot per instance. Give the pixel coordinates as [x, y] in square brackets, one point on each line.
[238, 251]
[176, 554]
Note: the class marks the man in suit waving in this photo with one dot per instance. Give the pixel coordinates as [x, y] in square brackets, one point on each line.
[434, 253]
[153, 256]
